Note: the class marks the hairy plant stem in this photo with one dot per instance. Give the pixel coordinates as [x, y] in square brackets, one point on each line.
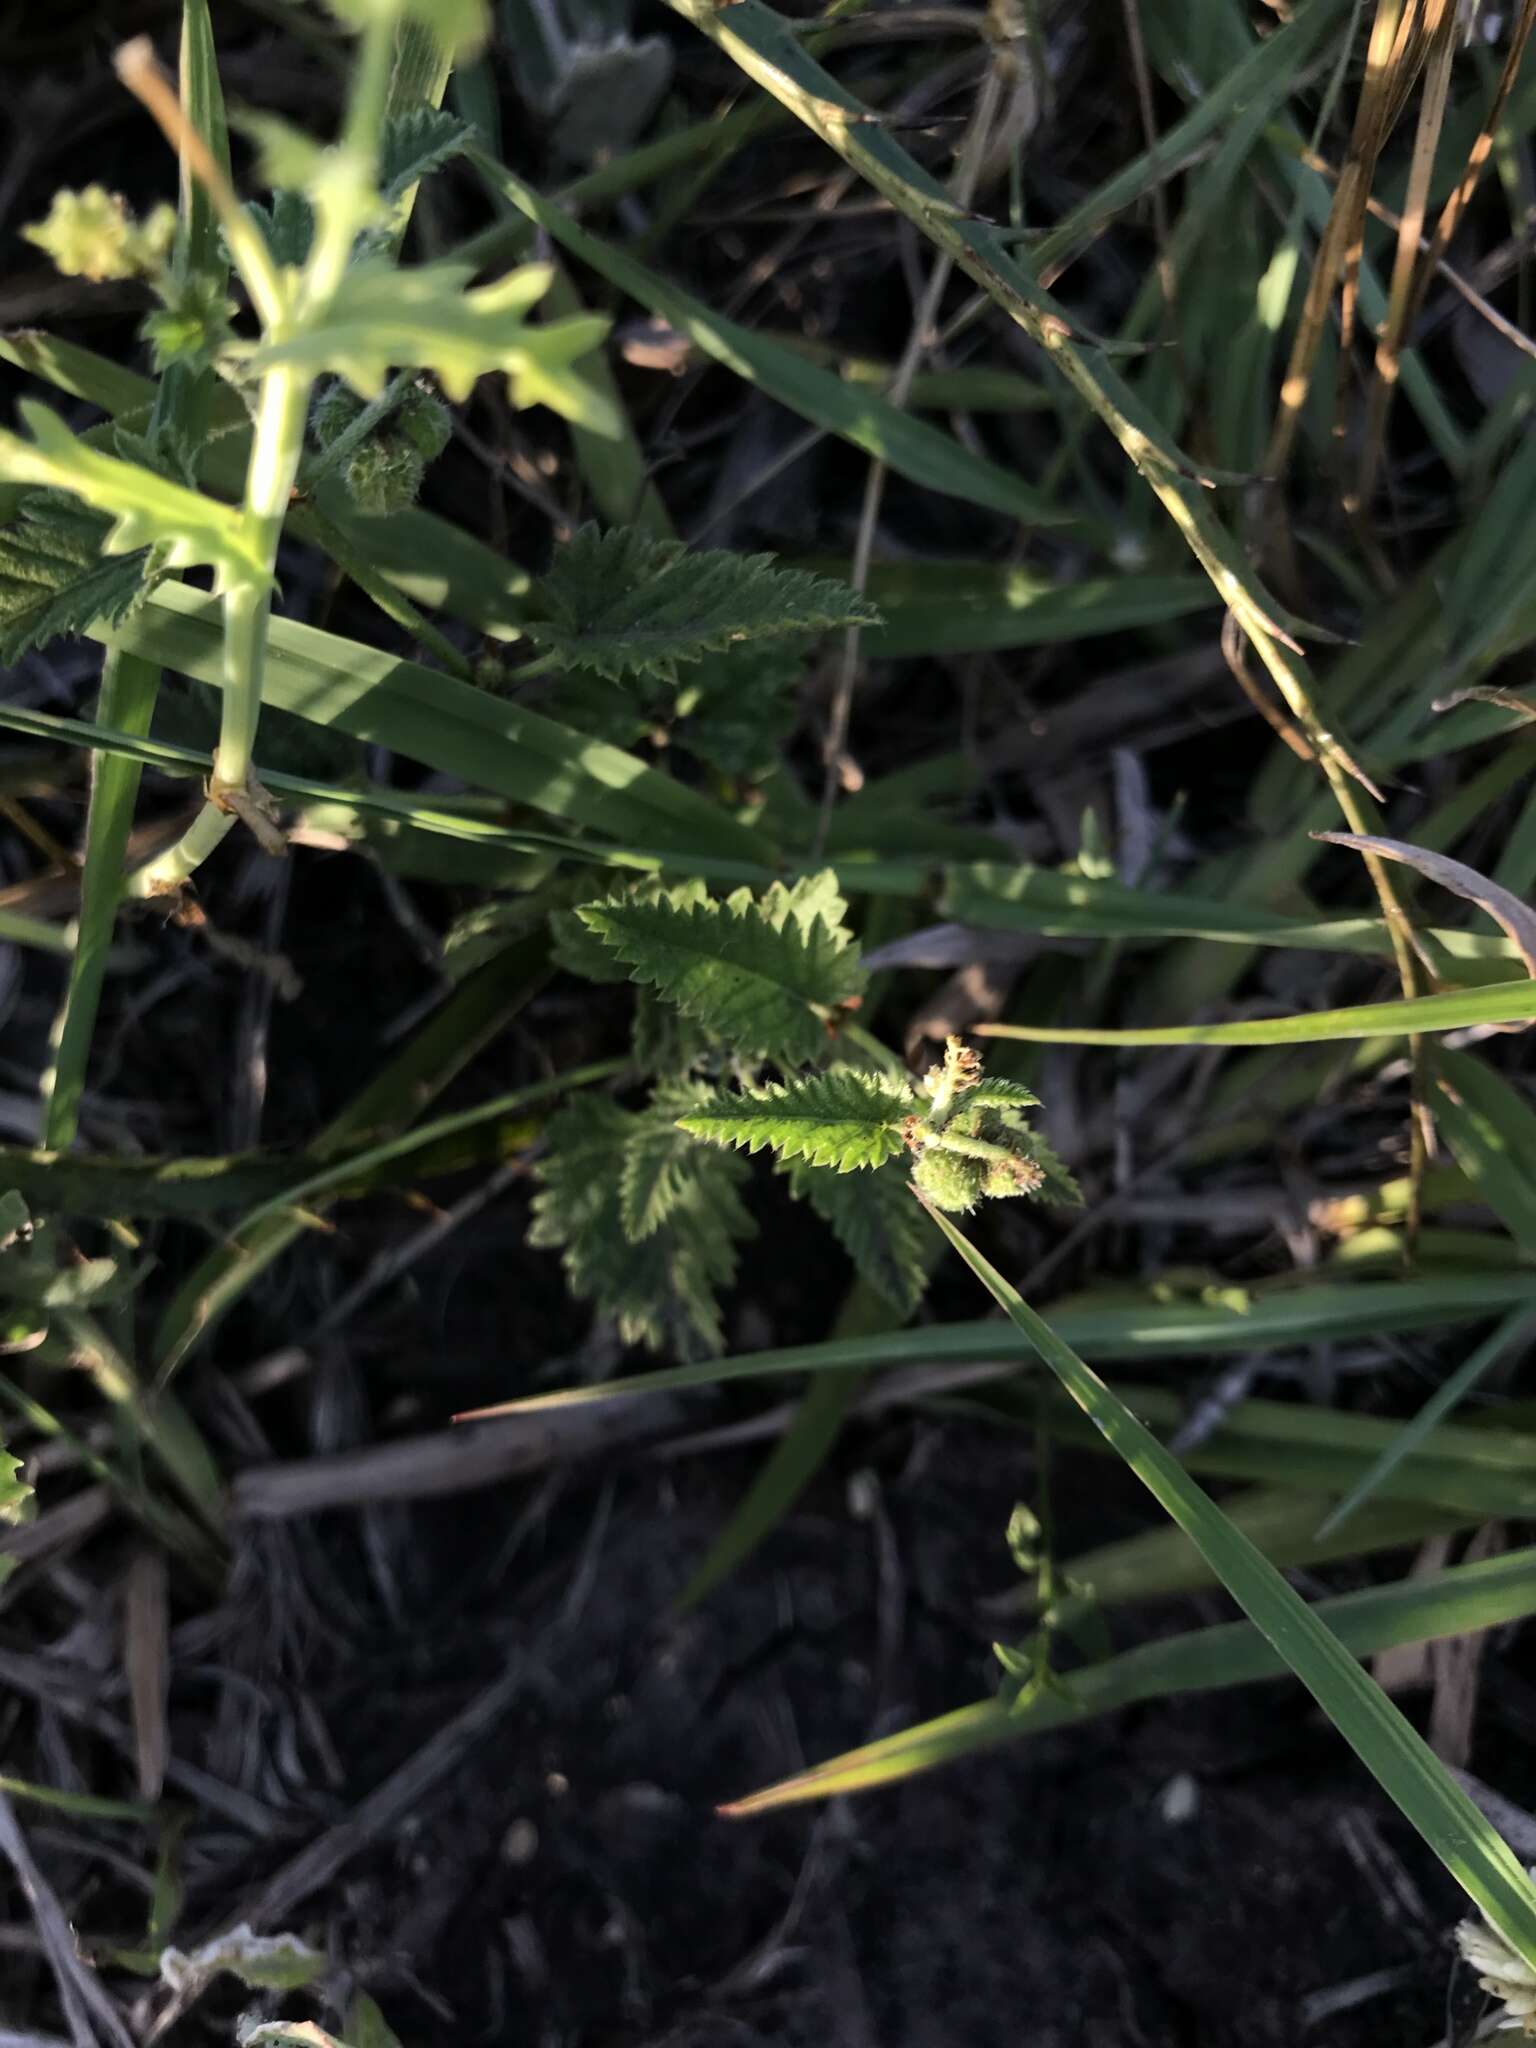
[277, 446]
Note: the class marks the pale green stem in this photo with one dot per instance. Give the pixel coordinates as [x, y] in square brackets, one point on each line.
[276, 445]
[971, 1148]
[356, 166]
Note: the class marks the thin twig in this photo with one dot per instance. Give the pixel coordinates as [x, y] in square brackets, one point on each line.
[1141, 71]
[373, 1820]
[919, 343]
[86, 2006]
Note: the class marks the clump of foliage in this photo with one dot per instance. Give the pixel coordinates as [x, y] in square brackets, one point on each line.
[613, 754]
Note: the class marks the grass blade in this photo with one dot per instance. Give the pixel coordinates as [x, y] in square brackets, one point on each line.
[789, 1468]
[1457, 1601]
[1502, 1003]
[1033, 899]
[913, 449]
[445, 724]
[1491, 1128]
[1271, 1321]
[129, 688]
[1390, 1748]
[1262, 79]
[466, 1023]
[795, 1459]
[1459, 1469]
[1286, 1525]
[17, 929]
[1514, 1329]
[202, 95]
[973, 607]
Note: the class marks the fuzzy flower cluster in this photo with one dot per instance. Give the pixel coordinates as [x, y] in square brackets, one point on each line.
[967, 1152]
[92, 234]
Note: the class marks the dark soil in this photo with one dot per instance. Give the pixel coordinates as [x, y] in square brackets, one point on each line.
[1203, 1872]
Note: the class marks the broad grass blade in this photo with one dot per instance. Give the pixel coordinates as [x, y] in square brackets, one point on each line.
[448, 725]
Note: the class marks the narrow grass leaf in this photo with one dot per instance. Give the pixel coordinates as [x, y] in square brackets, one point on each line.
[1286, 1524]
[1398, 1758]
[1514, 1329]
[1457, 1601]
[913, 449]
[17, 929]
[941, 607]
[129, 688]
[1491, 1128]
[1501, 1003]
[471, 1017]
[1142, 1331]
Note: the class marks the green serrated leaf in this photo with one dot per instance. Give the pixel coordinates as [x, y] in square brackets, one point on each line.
[657, 1170]
[54, 579]
[996, 1093]
[187, 527]
[878, 1224]
[766, 990]
[415, 144]
[812, 897]
[1058, 1185]
[845, 1118]
[627, 604]
[739, 711]
[381, 318]
[664, 1041]
[580, 950]
[192, 322]
[15, 1500]
[661, 1291]
[287, 226]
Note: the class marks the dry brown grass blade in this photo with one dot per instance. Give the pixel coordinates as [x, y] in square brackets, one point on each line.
[1505, 908]
[1390, 51]
[1234, 649]
[1456, 1666]
[1435, 265]
[1507, 700]
[147, 1662]
[1405, 268]
[1382, 100]
[1141, 71]
[1477, 159]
